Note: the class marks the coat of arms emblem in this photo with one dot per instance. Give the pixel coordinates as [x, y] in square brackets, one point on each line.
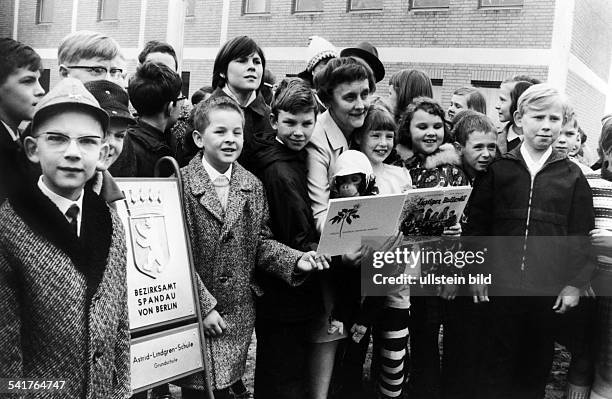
[149, 239]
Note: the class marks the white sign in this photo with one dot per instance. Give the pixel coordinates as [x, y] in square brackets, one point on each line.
[165, 356]
[159, 280]
[350, 219]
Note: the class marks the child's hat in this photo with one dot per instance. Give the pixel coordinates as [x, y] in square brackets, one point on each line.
[69, 93]
[367, 52]
[112, 98]
[351, 162]
[318, 50]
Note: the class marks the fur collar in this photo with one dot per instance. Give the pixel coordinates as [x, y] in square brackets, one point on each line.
[445, 155]
[89, 252]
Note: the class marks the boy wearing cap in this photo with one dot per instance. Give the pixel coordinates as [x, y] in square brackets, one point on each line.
[20, 91]
[63, 301]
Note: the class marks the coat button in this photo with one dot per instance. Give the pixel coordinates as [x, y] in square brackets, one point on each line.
[223, 279]
[228, 237]
[98, 355]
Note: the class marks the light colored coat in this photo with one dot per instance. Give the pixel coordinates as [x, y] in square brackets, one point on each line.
[227, 247]
[324, 148]
[59, 320]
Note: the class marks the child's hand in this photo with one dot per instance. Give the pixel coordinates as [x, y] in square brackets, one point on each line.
[358, 332]
[448, 291]
[335, 326]
[567, 299]
[480, 292]
[214, 325]
[309, 261]
[453, 231]
[601, 238]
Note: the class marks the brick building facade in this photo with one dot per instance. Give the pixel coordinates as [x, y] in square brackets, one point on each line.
[457, 42]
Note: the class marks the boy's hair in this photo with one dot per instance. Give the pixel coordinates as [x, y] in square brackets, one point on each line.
[238, 47]
[469, 122]
[199, 94]
[377, 118]
[155, 46]
[201, 112]
[293, 95]
[86, 44]
[542, 96]
[409, 84]
[522, 78]
[474, 98]
[428, 105]
[16, 55]
[342, 70]
[152, 87]
[518, 89]
[583, 135]
[605, 140]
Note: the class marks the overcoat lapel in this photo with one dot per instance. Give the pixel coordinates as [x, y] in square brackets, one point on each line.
[201, 186]
[240, 187]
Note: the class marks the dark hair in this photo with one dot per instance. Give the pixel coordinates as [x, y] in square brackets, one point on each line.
[16, 55]
[238, 47]
[428, 105]
[341, 70]
[518, 89]
[583, 135]
[152, 87]
[155, 46]
[409, 84]
[201, 112]
[605, 140]
[267, 83]
[522, 78]
[200, 94]
[474, 98]
[293, 95]
[377, 118]
[468, 122]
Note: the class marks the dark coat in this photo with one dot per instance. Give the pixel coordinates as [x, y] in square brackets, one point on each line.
[63, 299]
[545, 227]
[256, 120]
[15, 168]
[283, 174]
[227, 248]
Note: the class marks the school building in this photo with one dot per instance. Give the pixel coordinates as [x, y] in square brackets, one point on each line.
[457, 42]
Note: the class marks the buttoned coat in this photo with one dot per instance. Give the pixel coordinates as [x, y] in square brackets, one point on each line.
[63, 300]
[227, 247]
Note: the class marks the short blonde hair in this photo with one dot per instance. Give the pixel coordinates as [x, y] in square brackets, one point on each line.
[85, 44]
[542, 96]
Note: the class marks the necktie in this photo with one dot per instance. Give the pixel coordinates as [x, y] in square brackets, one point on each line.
[71, 215]
[221, 184]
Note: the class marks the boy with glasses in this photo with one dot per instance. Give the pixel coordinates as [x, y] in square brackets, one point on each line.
[63, 299]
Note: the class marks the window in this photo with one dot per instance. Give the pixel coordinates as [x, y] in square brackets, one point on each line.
[190, 11]
[358, 5]
[307, 5]
[255, 6]
[44, 11]
[436, 85]
[490, 91]
[45, 79]
[501, 3]
[426, 4]
[109, 10]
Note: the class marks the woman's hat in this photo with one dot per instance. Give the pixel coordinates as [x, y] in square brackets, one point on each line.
[369, 54]
[318, 50]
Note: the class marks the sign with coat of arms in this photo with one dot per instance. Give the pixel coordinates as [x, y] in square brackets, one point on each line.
[159, 276]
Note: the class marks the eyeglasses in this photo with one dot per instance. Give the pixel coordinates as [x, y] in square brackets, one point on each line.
[181, 98]
[61, 142]
[99, 71]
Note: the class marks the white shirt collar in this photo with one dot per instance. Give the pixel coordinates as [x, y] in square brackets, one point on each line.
[227, 91]
[214, 173]
[63, 203]
[535, 166]
[14, 135]
[512, 134]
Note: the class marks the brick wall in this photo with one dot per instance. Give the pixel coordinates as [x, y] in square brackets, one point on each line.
[203, 29]
[44, 35]
[589, 104]
[592, 35]
[462, 25]
[157, 19]
[6, 18]
[124, 30]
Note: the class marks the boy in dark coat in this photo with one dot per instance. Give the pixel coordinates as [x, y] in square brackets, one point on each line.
[283, 312]
[63, 299]
[541, 203]
[20, 91]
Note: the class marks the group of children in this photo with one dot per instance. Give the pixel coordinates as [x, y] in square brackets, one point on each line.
[253, 234]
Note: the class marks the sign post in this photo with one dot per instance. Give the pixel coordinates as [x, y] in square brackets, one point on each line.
[164, 311]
